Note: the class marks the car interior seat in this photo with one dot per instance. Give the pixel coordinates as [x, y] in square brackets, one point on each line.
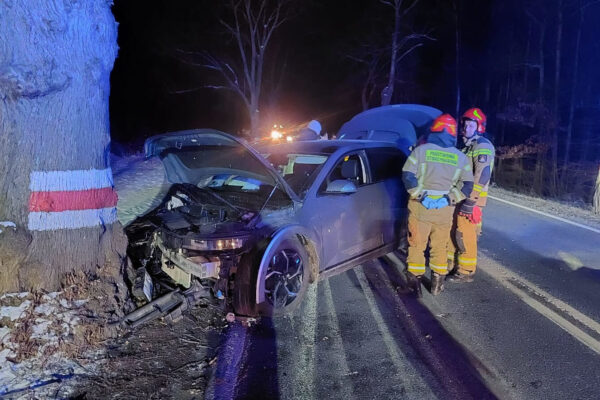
[350, 170]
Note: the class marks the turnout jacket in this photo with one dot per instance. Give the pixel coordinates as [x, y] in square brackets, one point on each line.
[435, 171]
[480, 152]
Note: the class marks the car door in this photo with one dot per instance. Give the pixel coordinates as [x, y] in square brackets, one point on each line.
[385, 165]
[349, 222]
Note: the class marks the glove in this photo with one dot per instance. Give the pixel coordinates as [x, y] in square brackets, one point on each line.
[466, 208]
[442, 202]
[476, 216]
[469, 210]
[429, 203]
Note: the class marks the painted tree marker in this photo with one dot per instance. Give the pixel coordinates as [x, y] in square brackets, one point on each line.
[71, 199]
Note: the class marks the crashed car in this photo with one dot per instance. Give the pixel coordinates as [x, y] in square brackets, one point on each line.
[257, 226]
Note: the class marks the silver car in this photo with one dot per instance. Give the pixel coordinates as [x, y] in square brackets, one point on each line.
[257, 226]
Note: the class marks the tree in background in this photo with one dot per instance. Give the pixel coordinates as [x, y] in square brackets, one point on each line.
[401, 46]
[55, 179]
[250, 24]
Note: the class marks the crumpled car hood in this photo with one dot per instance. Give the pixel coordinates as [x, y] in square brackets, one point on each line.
[212, 152]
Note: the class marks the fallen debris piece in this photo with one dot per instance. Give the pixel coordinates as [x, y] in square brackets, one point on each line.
[170, 306]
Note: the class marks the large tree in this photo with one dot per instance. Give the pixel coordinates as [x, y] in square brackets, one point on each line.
[55, 179]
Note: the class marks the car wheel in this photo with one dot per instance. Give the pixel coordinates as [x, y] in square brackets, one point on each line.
[286, 279]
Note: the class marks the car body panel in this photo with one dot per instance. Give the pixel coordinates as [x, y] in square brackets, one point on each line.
[397, 123]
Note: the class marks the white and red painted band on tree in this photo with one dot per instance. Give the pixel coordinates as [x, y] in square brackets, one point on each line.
[71, 199]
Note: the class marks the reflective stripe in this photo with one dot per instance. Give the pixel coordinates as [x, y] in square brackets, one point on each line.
[416, 270]
[458, 194]
[436, 192]
[456, 175]
[467, 261]
[467, 167]
[482, 152]
[477, 188]
[450, 256]
[416, 267]
[419, 188]
[483, 194]
[412, 160]
[440, 269]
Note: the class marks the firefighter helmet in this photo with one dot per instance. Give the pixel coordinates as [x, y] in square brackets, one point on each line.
[444, 122]
[475, 114]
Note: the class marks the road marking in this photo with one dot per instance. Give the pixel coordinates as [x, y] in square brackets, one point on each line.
[403, 370]
[589, 228]
[505, 277]
[346, 391]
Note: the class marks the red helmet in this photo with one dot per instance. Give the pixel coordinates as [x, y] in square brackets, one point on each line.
[475, 114]
[444, 122]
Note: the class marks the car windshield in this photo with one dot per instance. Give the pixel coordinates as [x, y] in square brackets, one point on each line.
[298, 170]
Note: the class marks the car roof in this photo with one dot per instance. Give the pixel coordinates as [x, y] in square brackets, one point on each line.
[323, 146]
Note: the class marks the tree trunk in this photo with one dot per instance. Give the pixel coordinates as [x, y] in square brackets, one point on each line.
[527, 51]
[573, 92]
[388, 92]
[254, 114]
[457, 51]
[55, 178]
[542, 68]
[554, 143]
[597, 195]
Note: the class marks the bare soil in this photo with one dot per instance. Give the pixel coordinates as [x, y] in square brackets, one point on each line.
[159, 361]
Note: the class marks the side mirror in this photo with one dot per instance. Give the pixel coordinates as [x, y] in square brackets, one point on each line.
[341, 186]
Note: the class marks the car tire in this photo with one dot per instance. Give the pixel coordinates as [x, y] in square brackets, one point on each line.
[286, 282]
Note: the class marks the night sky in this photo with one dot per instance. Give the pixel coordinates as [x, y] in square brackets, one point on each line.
[308, 58]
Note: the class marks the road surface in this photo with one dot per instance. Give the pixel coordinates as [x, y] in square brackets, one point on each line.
[528, 327]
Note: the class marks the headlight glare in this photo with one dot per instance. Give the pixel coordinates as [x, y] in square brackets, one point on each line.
[217, 244]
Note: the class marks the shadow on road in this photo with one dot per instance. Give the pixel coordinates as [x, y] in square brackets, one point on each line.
[452, 371]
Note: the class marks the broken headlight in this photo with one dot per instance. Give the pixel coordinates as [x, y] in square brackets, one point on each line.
[217, 244]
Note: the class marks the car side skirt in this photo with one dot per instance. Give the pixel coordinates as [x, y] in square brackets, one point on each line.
[346, 265]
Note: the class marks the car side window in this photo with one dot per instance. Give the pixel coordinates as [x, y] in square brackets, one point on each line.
[385, 163]
[349, 167]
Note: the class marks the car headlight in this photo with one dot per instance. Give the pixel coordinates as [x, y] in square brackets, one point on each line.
[217, 244]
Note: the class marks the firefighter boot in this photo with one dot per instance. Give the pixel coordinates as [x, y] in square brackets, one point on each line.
[460, 278]
[437, 283]
[414, 284]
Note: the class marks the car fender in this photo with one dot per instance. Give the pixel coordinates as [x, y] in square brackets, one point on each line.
[278, 237]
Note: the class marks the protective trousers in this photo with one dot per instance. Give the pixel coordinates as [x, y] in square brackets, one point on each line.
[462, 249]
[431, 226]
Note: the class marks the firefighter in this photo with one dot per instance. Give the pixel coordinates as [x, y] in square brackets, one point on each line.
[312, 131]
[432, 175]
[480, 152]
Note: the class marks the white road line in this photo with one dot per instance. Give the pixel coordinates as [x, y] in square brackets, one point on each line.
[504, 277]
[403, 369]
[589, 228]
[345, 387]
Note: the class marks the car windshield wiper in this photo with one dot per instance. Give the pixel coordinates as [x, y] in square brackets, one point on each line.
[239, 210]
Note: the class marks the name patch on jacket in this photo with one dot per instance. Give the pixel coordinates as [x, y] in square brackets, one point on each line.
[442, 157]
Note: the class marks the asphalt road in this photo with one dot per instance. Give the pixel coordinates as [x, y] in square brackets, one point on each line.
[526, 328]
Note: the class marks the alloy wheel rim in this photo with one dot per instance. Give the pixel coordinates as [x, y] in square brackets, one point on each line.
[284, 278]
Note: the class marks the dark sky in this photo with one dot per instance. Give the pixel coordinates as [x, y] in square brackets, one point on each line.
[308, 56]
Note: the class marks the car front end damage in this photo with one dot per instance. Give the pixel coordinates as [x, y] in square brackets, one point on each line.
[189, 244]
